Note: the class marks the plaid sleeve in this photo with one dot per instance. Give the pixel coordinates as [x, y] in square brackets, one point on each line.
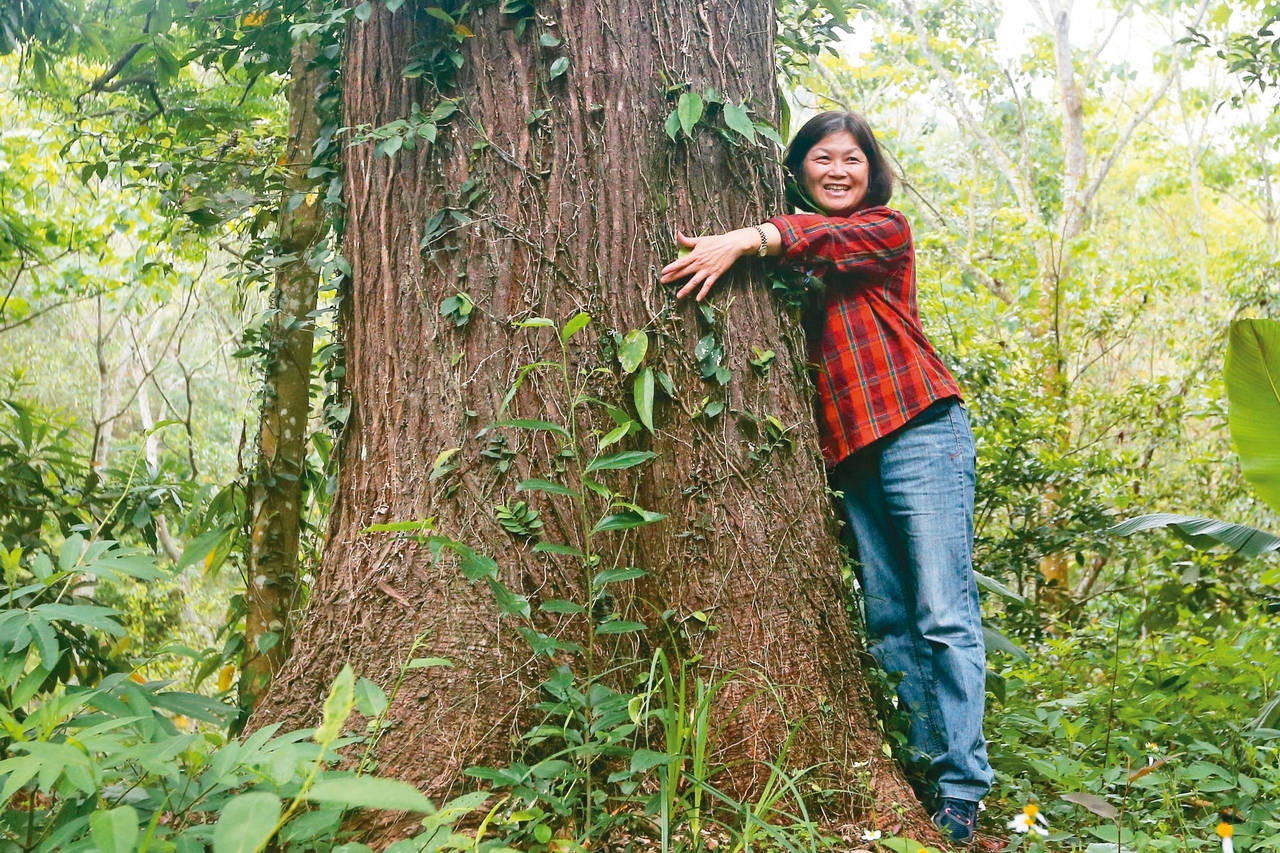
[872, 241]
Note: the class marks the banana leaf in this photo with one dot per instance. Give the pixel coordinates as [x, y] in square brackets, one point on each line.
[1204, 533]
[1253, 403]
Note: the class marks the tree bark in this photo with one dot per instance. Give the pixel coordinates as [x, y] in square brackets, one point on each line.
[574, 210]
[275, 492]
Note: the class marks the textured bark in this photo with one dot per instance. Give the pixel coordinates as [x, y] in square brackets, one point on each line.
[577, 211]
[275, 493]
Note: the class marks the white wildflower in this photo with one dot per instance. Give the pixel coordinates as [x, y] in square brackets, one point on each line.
[1225, 831]
[1030, 820]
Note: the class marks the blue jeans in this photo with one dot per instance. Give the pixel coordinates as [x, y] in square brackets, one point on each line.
[909, 501]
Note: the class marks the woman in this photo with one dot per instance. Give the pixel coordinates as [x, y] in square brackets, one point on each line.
[894, 435]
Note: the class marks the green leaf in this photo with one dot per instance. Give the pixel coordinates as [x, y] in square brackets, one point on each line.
[370, 699]
[70, 552]
[632, 350]
[616, 434]
[114, 831]
[531, 423]
[363, 11]
[672, 125]
[994, 586]
[769, 133]
[536, 485]
[620, 626]
[548, 40]
[689, 109]
[1253, 403]
[738, 120]
[626, 520]
[560, 66]
[618, 461]
[87, 615]
[837, 10]
[393, 5]
[440, 14]
[576, 324]
[369, 792]
[46, 641]
[388, 146]
[642, 390]
[247, 823]
[615, 575]
[337, 706]
[558, 605]
[1204, 532]
[428, 663]
[999, 642]
[473, 564]
[508, 601]
[195, 706]
[903, 845]
[647, 759]
[556, 548]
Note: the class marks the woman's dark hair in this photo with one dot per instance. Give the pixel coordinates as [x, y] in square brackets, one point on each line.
[879, 177]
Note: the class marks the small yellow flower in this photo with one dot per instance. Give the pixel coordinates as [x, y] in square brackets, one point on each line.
[1225, 831]
[1030, 820]
[225, 675]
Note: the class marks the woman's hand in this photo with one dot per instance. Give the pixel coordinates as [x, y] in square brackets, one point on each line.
[709, 258]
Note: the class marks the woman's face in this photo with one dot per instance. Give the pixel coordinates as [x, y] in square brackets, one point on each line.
[836, 173]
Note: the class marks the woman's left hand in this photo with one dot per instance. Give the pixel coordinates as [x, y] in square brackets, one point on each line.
[709, 258]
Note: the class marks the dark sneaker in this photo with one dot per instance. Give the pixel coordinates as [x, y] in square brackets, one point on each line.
[957, 819]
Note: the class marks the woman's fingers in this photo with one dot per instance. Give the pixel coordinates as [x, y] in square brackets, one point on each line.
[676, 269]
[692, 284]
[706, 287]
[704, 261]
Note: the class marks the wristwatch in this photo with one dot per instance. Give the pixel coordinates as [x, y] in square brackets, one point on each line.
[764, 241]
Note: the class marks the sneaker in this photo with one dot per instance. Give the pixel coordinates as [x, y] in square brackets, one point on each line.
[957, 819]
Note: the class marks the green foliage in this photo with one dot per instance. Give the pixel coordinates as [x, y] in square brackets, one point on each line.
[1155, 725]
[101, 757]
[1253, 394]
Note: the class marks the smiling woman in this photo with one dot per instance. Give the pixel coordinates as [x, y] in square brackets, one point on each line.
[894, 435]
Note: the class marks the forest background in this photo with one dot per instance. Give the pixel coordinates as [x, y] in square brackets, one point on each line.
[1094, 204]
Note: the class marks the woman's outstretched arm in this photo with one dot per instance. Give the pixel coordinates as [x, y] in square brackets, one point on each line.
[870, 242]
[712, 255]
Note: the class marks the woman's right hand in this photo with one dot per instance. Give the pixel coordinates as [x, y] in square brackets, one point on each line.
[709, 257]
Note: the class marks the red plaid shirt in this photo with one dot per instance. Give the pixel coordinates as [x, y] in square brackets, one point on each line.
[875, 368]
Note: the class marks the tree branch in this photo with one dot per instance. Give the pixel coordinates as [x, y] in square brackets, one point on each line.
[1096, 53]
[1138, 118]
[959, 253]
[45, 310]
[1015, 177]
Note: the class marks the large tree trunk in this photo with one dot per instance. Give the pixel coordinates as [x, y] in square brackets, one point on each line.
[570, 210]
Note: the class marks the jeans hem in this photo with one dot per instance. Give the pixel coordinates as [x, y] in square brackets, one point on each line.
[960, 791]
